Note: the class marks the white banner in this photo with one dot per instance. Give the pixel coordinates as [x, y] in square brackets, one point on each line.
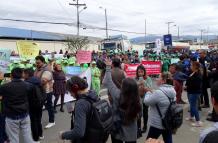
[86, 74]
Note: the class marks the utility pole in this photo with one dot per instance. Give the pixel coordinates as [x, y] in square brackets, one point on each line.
[105, 11]
[168, 23]
[145, 32]
[178, 33]
[106, 21]
[78, 5]
[202, 30]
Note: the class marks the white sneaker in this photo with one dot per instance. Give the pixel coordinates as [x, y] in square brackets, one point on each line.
[37, 142]
[49, 125]
[192, 119]
[197, 124]
[42, 138]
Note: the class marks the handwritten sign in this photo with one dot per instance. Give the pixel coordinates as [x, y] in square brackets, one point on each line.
[84, 57]
[4, 59]
[71, 70]
[27, 49]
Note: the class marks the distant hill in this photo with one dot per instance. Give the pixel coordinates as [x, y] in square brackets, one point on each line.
[152, 38]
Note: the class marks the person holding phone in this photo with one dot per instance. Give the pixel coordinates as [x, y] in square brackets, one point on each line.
[145, 84]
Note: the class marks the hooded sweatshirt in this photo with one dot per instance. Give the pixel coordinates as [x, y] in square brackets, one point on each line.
[82, 111]
[207, 131]
[159, 98]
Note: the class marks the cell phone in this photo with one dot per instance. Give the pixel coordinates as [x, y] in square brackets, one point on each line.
[7, 75]
[141, 78]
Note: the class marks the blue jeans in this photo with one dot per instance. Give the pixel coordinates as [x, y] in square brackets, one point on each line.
[155, 133]
[193, 101]
[49, 107]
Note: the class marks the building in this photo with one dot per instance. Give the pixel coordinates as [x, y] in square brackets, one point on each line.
[53, 42]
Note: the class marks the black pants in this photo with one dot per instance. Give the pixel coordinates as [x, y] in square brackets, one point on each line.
[56, 100]
[204, 96]
[36, 125]
[155, 133]
[145, 116]
[119, 141]
[3, 136]
[49, 107]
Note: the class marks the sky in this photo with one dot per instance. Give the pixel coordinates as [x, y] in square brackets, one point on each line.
[126, 15]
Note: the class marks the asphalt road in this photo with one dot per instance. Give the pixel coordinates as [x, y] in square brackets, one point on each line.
[186, 134]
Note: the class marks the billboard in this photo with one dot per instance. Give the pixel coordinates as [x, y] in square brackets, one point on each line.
[167, 40]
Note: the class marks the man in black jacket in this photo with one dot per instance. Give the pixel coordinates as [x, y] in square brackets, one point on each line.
[205, 62]
[16, 107]
[35, 103]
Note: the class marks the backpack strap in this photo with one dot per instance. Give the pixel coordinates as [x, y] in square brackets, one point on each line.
[170, 99]
[157, 107]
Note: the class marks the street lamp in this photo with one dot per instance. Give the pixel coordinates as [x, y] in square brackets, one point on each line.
[84, 8]
[106, 22]
[168, 24]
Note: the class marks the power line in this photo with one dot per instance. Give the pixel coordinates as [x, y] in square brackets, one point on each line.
[85, 26]
[33, 21]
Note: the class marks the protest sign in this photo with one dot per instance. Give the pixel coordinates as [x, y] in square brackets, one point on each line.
[27, 49]
[130, 69]
[84, 57]
[152, 67]
[174, 60]
[70, 70]
[87, 74]
[4, 59]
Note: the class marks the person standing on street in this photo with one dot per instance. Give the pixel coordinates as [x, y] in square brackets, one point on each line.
[117, 73]
[204, 61]
[15, 95]
[45, 74]
[35, 103]
[206, 132]
[178, 80]
[126, 107]
[59, 85]
[141, 75]
[96, 74]
[160, 98]
[194, 86]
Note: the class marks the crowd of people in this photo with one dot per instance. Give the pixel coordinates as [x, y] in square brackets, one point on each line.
[136, 105]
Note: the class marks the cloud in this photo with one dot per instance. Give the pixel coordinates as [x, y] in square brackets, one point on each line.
[189, 15]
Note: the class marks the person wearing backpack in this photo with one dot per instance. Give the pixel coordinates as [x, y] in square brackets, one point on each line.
[159, 100]
[91, 119]
[35, 104]
[125, 106]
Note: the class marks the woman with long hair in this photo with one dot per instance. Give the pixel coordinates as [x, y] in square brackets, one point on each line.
[160, 98]
[194, 90]
[59, 85]
[144, 82]
[126, 107]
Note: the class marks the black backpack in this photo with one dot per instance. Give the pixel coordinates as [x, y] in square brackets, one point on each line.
[173, 118]
[100, 122]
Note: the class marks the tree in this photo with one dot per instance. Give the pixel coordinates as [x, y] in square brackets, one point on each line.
[77, 43]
